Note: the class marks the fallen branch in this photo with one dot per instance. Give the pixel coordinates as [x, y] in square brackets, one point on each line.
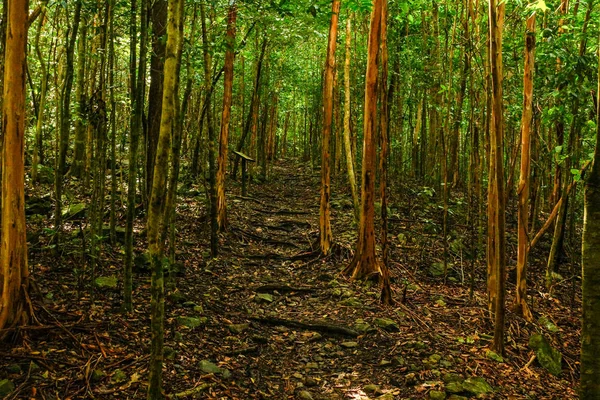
[283, 289]
[311, 326]
[193, 391]
[247, 350]
[554, 212]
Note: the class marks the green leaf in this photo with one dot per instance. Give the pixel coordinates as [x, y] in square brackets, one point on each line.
[539, 5]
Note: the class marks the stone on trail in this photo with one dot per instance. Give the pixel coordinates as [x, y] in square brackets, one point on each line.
[6, 387]
[191, 322]
[305, 395]
[372, 389]
[109, 282]
[209, 367]
[454, 387]
[437, 395]
[456, 397]
[349, 345]
[237, 328]
[387, 396]
[387, 324]
[548, 356]
[492, 355]
[477, 385]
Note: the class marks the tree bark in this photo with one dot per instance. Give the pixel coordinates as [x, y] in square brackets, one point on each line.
[523, 190]
[158, 198]
[226, 117]
[347, 143]
[14, 272]
[325, 235]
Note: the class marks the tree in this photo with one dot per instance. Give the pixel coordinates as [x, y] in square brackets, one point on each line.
[365, 263]
[523, 191]
[590, 277]
[227, 98]
[496, 246]
[13, 246]
[158, 198]
[325, 207]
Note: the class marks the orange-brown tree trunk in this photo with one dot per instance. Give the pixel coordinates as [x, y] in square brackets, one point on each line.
[523, 191]
[325, 210]
[365, 264]
[13, 247]
[226, 118]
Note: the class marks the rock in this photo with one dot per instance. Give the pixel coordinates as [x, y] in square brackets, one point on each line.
[77, 210]
[304, 395]
[312, 365]
[436, 270]
[198, 309]
[6, 388]
[192, 322]
[177, 297]
[387, 396]
[477, 386]
[361, 326]
[310, 382]
[492, 355]
[118, 376]
[434, 359]
[372, 389]
[237, 328]
[169, 353]
[190, 304]
[14, 369]
[546, 323]
[351, 302]
[349, 345]
[452, 377]
[387, 324]
[264, 297]
[209, 367]
[456, 397]
[548, 356]
[437, 395]
[109, 282]
[97, 375]
[454, 387]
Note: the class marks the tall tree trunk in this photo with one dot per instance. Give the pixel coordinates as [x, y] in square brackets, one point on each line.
[226, 117]
[325, 207]
[496, 218]
[590, 254]
[78, 168]
[365, 263]
[65, 121]
[523, 191]
[347, 143]
[137, 92]
[158, 198]
[158, 18]
[42, 103]
[13, 246]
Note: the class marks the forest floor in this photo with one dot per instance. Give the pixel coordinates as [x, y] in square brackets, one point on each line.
[270, 319]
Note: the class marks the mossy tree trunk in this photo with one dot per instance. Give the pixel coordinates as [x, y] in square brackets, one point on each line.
[590, 260]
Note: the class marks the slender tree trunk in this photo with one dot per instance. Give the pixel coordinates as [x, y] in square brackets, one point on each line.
[13, 246]
[158, 198]
[226, 118]
[496, 218]
[42, 104]
[590, 254]
[523, 191]
[325, 235]
[347, 143]
[137, 92]
[78, 168]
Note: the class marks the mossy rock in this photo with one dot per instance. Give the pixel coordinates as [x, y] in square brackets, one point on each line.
[387, 324]
[477, 386]
[6, 388]
[237, 328]
[75, 211]
[437, 395]
[118, 376]
[191, 322]
[454, 387]
[107, 282]
[547, 356]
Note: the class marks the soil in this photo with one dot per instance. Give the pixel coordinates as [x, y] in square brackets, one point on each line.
[276, 320]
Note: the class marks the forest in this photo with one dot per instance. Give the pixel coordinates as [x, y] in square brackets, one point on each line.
[300, 199]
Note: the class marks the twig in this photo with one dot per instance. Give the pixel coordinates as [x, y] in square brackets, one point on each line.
[313, 326]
